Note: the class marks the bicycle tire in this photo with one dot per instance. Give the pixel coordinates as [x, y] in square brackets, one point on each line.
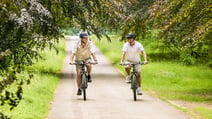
[134, 94]
[134, 86]
[84, 94]
[84, 85]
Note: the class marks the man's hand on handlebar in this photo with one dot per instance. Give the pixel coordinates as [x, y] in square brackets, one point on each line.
[95, 62]
[145, 62]
[71, 62]
[121, 63]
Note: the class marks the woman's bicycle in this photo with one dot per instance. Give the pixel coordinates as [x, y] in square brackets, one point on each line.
[84, 77]
[133, 78]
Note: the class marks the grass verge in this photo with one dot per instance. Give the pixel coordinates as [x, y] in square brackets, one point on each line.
[40, 92]
[204, 112]
[168, 80]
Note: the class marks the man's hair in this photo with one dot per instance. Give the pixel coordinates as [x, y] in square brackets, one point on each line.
[131, 35]
[83, 35]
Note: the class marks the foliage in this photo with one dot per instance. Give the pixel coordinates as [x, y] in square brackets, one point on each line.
[71, 31]
[185, 26]
[97, 15]
[28, 26]
[40, 92]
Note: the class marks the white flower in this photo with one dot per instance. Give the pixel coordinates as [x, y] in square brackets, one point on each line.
[25, 20]
[39, 8]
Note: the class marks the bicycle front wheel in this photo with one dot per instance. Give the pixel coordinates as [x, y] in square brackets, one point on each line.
[84, 94]
[134, 94]
[84, 81]
[134, 86]
[84, 85]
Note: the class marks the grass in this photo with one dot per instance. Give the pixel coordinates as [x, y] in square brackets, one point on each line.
[166, 79]
[204, 112]
[176, 81]
[40, 92]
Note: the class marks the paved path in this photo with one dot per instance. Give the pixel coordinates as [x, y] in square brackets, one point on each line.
[108, 97]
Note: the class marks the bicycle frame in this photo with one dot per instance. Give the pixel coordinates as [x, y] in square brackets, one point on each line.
[83, 76]
[83, 73]
[134, 79]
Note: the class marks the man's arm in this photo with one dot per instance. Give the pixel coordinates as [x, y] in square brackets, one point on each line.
[144, 56]
[94, 57]
[123, 57]
[72, 58]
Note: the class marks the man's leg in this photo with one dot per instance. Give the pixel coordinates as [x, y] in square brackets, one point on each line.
[89, 68]
[78, 81]
[139, 79]
[127, 69]
[139, 90]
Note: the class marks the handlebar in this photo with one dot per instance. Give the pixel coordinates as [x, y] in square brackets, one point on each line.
[83, 63]
[132, 64]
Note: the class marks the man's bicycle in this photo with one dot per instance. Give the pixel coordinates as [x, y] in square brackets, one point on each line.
[84, 77]
[133, 78]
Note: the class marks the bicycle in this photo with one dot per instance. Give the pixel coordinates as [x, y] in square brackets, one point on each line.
[133, 78]
[83, 76]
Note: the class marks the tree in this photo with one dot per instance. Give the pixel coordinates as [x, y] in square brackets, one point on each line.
[185, 26]
[26, 27]
[29, 26]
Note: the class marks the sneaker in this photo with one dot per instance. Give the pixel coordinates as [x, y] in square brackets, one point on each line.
[79, 92]
[128, 79]
[89, 78]
[139, 91]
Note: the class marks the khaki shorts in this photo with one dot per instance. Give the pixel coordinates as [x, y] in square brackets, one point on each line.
[79, 66]
[137, 67]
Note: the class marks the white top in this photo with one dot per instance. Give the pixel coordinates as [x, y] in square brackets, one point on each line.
[83, 53]
[133, 52]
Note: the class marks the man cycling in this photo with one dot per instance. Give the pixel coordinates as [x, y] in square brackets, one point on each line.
[83, 50]
[132, 50]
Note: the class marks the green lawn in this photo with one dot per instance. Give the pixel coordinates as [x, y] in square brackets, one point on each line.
[40, 92]
[168, 80]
